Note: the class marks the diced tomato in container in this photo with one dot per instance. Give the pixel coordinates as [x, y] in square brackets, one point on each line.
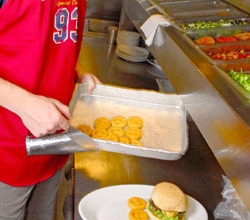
[225, 39]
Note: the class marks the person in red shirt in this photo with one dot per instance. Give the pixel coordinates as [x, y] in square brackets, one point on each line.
[40, 41]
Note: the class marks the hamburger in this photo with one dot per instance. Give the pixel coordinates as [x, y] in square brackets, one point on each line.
[167, 202]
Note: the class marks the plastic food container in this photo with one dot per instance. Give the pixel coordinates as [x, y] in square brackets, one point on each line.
[164, 133]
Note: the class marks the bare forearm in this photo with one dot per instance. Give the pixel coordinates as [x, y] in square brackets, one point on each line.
[41, 115]
[10, 95]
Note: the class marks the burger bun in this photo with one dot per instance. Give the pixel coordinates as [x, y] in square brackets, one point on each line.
[169, 197]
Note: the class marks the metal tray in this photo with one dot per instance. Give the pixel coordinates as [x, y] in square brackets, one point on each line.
[237, 65]
[165, 134]
[193, 35]
[179, 1]
[215, 32]
[208, 51]
[237, 22]
[199, 9]
[179, 6]
[198, 12]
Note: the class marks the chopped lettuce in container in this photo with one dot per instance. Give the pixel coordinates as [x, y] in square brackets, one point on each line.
[241, 78]
[213, 24]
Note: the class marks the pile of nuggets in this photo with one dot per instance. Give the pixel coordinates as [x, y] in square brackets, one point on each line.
[118, 129]
[137, 206]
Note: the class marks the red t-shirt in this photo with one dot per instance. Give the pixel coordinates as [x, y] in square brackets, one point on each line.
[39, 45]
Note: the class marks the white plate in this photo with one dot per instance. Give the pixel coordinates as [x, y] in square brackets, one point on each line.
[133, 50]
[128, 35]
[132, 58]
[132, 53]
[128, 38]
[110, 203]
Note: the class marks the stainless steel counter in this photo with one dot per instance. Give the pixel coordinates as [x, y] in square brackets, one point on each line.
[197, 172]
[100, 59]
[220, 113]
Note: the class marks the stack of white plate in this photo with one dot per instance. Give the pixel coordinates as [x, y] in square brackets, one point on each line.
[132, 53]
[128, 38]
